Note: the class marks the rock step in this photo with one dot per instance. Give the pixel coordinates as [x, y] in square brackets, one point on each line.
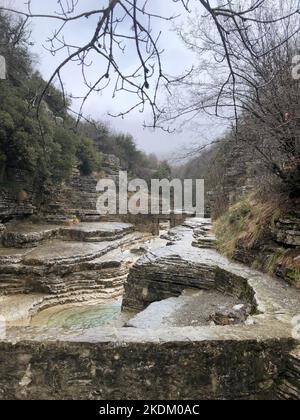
[84, 290]
[30, 235]
[91, 219]
[289, 387]
[97, 239]
[65, 288]
[76, 293]
[16, 238]
[10, 286]
[204, 239]
[205, 243]
[69, 261]
[9, 291]
[72, 298]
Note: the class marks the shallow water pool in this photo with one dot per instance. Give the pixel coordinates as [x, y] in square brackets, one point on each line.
[80, 317]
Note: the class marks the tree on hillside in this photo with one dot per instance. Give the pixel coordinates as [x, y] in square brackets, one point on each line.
[35, 160]
[14, 46]
[138, 163]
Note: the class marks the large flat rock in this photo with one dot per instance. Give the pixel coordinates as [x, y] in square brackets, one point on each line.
[192, 308]
[26, 235]
[56, 250]
[94, 232]
[22, 235]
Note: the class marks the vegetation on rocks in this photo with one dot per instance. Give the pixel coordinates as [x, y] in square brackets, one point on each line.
[247, 223]
[248, 232]
[135, 161]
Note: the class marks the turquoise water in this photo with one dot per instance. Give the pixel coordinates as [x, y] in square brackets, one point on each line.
[78, 317]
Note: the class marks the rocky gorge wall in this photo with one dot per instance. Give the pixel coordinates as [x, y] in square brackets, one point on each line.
[288, 268]
[13, 207]
[277, 251]
[76, 198]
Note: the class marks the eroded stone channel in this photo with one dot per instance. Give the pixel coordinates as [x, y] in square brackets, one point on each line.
[188, 321]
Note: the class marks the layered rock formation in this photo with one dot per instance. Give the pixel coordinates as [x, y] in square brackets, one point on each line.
[11, 207]
[76, 198]
[127, 364]
[241, 173]
[67, 264]
[171, 270]
[287, 232]
[278, 252]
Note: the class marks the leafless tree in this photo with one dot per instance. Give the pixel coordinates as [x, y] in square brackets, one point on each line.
[256, 92]
[230, 46]
[121, 24]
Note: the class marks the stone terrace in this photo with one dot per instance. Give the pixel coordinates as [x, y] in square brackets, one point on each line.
[59, 264]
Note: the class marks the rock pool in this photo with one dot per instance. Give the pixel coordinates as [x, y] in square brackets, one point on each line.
[81, 317]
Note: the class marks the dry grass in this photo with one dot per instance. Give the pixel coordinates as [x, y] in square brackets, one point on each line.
[247, 224]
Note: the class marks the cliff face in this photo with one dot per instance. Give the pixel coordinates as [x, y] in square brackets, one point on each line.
[238, 173]
[11, 207]
[76, 198]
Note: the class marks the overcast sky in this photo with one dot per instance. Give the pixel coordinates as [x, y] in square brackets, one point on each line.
[176, 60]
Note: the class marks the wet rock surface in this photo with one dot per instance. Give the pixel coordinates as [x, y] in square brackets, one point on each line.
[174, 352]
[287, 232]
[192, 308]
[231, 316]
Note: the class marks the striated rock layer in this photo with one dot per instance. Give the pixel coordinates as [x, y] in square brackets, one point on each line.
[76, 198]
[80, 263]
